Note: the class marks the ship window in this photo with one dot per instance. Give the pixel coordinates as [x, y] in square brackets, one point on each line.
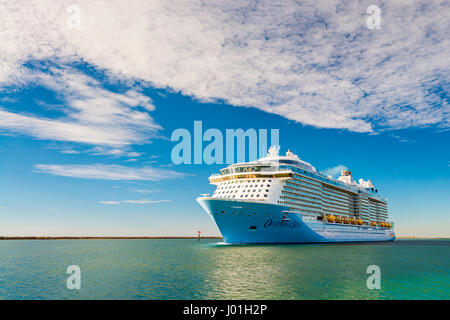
[246, 195]
[270, 180]
[267, 190]
[252, 227]
[265, 195]
[268, 185]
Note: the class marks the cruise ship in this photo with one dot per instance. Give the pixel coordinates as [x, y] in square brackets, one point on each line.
[283, 199]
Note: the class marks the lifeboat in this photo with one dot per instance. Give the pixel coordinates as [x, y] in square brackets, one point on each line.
[338, 219]
[345, 220]
[373, 224]
[359, 221]
[330, 218]
[389, 225]
[353, 221]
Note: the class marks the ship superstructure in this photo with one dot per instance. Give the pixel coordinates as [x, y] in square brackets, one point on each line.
[283, 199]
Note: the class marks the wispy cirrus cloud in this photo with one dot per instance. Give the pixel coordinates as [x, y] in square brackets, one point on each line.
[108, 172]
[144, 191]
[91, 114]
[314, 62]
[109, 202]
[144, 201]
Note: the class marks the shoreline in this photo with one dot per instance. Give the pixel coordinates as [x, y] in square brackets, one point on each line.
[101, 238]
[162, 238]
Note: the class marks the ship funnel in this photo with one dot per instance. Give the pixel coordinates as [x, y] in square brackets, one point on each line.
[346, 176]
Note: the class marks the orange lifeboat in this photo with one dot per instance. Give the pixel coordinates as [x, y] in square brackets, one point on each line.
[373, 224]
[359, 221]
[353, 221]
[338, 219]
[389, 225]
[346, 220]
[330, 218]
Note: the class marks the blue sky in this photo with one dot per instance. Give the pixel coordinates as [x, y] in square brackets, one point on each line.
[85, 122]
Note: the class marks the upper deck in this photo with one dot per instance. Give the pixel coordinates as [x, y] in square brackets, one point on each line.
[276, 166]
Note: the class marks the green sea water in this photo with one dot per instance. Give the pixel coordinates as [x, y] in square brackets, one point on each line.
[189, 269]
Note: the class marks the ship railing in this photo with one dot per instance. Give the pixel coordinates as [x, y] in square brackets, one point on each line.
[244, 200]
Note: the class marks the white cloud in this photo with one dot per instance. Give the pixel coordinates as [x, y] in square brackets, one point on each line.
[92, 114]
[8, 100]
[314, 62]
[402, 139]
[144, 201]
[133, 202]
[133, 154]
[335, 171]
[108, 172]
[143, 191]
[70, 151]
[109, 202]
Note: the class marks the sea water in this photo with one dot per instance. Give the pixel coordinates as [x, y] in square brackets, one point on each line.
[207, 269]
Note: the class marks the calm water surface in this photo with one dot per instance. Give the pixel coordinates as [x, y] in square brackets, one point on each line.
[188, 269]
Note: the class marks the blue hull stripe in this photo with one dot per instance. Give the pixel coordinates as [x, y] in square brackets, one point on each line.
[249, 222]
